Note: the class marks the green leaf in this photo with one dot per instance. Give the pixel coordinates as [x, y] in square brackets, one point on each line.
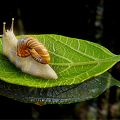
[74, 60]
[60, 94]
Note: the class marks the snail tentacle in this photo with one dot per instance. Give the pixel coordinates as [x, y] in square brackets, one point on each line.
[4, 30]
[12, 25]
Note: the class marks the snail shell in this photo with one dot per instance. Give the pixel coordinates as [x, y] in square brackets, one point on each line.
[12, 49]
[31, 46]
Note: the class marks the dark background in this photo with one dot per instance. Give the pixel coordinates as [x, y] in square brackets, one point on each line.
[67, 18]
[93, 20]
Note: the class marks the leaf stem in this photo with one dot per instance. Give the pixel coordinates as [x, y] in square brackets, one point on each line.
[116, 83]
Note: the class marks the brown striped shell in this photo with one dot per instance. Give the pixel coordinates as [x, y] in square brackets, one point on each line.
[31, 46]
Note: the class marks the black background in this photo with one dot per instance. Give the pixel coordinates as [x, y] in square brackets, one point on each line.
[69, 18]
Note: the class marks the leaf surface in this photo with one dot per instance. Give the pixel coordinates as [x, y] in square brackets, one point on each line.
[74, 60]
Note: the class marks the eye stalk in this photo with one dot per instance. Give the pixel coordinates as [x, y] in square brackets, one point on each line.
[4, 23]
[12, 24]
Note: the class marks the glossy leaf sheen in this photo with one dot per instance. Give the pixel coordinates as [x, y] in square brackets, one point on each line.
[74, 61]
[60, 94]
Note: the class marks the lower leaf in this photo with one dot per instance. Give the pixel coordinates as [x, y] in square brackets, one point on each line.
[61, 94]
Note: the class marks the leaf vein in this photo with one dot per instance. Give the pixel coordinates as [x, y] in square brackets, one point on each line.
[64, 69]
[73, 48]
[61, 57]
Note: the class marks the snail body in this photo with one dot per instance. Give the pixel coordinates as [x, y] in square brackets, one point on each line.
[27, 54]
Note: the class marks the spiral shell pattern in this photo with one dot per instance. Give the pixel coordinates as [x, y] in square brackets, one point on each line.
[31, 46]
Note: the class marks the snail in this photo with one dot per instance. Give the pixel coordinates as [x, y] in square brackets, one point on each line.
[27, 54]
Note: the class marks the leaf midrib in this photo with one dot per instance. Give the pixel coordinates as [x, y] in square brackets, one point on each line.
[115, 58]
